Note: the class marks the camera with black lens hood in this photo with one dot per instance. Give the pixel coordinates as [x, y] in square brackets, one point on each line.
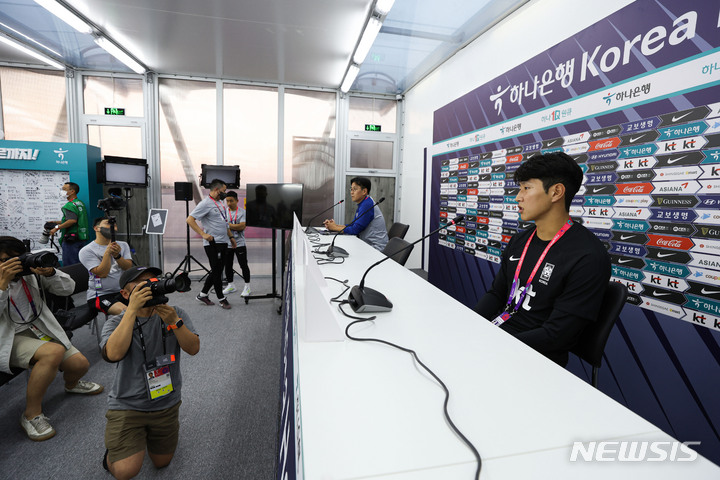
[36, 260]
[161, 286]
[45, 235]
[111, 203]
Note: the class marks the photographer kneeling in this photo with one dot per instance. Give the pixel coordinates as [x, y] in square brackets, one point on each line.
[30, 336]
[143, 404]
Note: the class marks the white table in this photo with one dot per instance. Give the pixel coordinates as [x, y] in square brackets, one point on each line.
[367, 411]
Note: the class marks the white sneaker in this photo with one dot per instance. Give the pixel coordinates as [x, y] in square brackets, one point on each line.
[246, 291]
[38, 428]
[229, 289]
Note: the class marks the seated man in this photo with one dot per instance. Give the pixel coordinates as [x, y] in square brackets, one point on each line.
[30, 336]
[369, 227]
[105, 261]
[144, 401]
[553, 275]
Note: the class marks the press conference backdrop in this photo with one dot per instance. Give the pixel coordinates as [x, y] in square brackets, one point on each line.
[635, 99]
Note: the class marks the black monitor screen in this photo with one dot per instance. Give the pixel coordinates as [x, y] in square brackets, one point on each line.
[230, 174]
[272, 205]
[123, 171]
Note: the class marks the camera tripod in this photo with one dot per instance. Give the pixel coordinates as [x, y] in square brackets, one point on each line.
[186, 263]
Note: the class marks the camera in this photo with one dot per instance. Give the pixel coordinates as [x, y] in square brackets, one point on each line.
[34, 260]
[111, 203]
[45, 236]
[160, 286]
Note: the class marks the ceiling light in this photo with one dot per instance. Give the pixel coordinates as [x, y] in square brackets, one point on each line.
[116, 52]
[31, 52]
[368, 37]
[383, 6]
[349, 78]
[65, 15]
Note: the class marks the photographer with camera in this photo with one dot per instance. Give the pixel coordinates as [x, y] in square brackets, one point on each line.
[105, 261]
[30, 336]
[74, 224]
[144, 400]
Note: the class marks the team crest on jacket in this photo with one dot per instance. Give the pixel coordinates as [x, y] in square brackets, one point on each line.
[546, 272]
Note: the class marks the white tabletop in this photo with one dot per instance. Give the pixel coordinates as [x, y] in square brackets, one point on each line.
[368, 411]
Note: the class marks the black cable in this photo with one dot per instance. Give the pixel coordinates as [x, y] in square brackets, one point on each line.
[425, 367]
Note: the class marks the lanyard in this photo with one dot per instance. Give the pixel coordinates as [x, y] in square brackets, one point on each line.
[516, 278]
[142, 337]
[30, 299]
[220, 209]
[237, 214]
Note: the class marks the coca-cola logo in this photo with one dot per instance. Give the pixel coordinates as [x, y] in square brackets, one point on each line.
[606, 144]
[669, 243]
[634, 189]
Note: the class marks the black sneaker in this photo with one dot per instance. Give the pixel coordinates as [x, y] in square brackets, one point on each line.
[204, 300]
[224, 304]
[105, 465]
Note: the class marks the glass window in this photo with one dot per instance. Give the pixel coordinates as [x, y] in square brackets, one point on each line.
[33, 105]
[372, 111]
[310, 130]
[102, 92]
[250, 134]
[188, 138]
[371, 154]
[117, 141]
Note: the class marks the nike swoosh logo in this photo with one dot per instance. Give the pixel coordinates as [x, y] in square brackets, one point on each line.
[620, 260]
[597, 189]
[663, 255]
[633, 140]
[673, 160]
[675, 119]
[625, 237]
[660, 294]
[709, 292]
[513, 259]
[550, 144]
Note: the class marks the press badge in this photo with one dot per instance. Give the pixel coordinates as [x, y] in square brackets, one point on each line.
[157, 375]
[38, 333]
[502, 318]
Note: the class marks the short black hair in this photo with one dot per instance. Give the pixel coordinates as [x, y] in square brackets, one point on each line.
[364, 182]
[232, 193]
[11, 246]
[97, 221]
[551, 169]
[216, 183]
[74, 186]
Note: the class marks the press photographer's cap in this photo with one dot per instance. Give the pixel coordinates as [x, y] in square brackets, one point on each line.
[132, 273]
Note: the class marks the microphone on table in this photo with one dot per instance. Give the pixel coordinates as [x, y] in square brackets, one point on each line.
[365, 299]
[310, 229]
[334, 251]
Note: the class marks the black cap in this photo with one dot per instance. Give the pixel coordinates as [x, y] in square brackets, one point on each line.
[132, 273]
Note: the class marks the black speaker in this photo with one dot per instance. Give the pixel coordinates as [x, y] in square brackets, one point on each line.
[183, 191]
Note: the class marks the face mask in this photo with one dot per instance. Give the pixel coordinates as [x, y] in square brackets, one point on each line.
[105, 232]
[222, 195]
[63, 194]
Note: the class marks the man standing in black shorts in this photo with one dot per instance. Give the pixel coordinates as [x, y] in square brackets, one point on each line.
[144, 400]
[553, 275]
[236, 220]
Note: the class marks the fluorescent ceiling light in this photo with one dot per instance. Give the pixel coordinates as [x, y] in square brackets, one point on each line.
[368, 37]
[383, 6]
[349, 78]
[65, 15]
[116, 52]
[31, 52]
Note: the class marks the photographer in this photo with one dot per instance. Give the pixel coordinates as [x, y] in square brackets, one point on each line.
[30, 336]
[74, 224]
[143, 404]
[105, 261]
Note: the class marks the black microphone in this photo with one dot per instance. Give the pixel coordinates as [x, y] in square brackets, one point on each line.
[334, 251]
[365, 299]
[313, 230]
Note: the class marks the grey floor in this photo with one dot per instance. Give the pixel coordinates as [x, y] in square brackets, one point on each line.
[228, 418]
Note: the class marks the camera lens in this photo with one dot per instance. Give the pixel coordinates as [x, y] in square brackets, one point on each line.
[37, 260]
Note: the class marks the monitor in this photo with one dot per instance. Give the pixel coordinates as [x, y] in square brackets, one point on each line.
[230, 174]
[272, 205]
[123, 172]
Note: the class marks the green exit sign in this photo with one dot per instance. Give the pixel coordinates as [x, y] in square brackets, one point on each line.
[372, 128]
[114, 111]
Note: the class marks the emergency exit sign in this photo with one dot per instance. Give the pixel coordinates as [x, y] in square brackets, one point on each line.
[372, 128]
[114, 111]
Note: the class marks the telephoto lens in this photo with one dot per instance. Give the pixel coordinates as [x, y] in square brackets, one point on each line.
[161, 286]
[45, 235]
[35, 260]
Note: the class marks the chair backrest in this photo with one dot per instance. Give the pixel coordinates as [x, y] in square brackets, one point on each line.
[79, 273]
[398, 229]
[394, 246]
[592, 341]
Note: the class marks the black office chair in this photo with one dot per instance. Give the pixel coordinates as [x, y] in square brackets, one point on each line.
[73, 317]
[591, 345]
[393, 247]
[398, 229]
